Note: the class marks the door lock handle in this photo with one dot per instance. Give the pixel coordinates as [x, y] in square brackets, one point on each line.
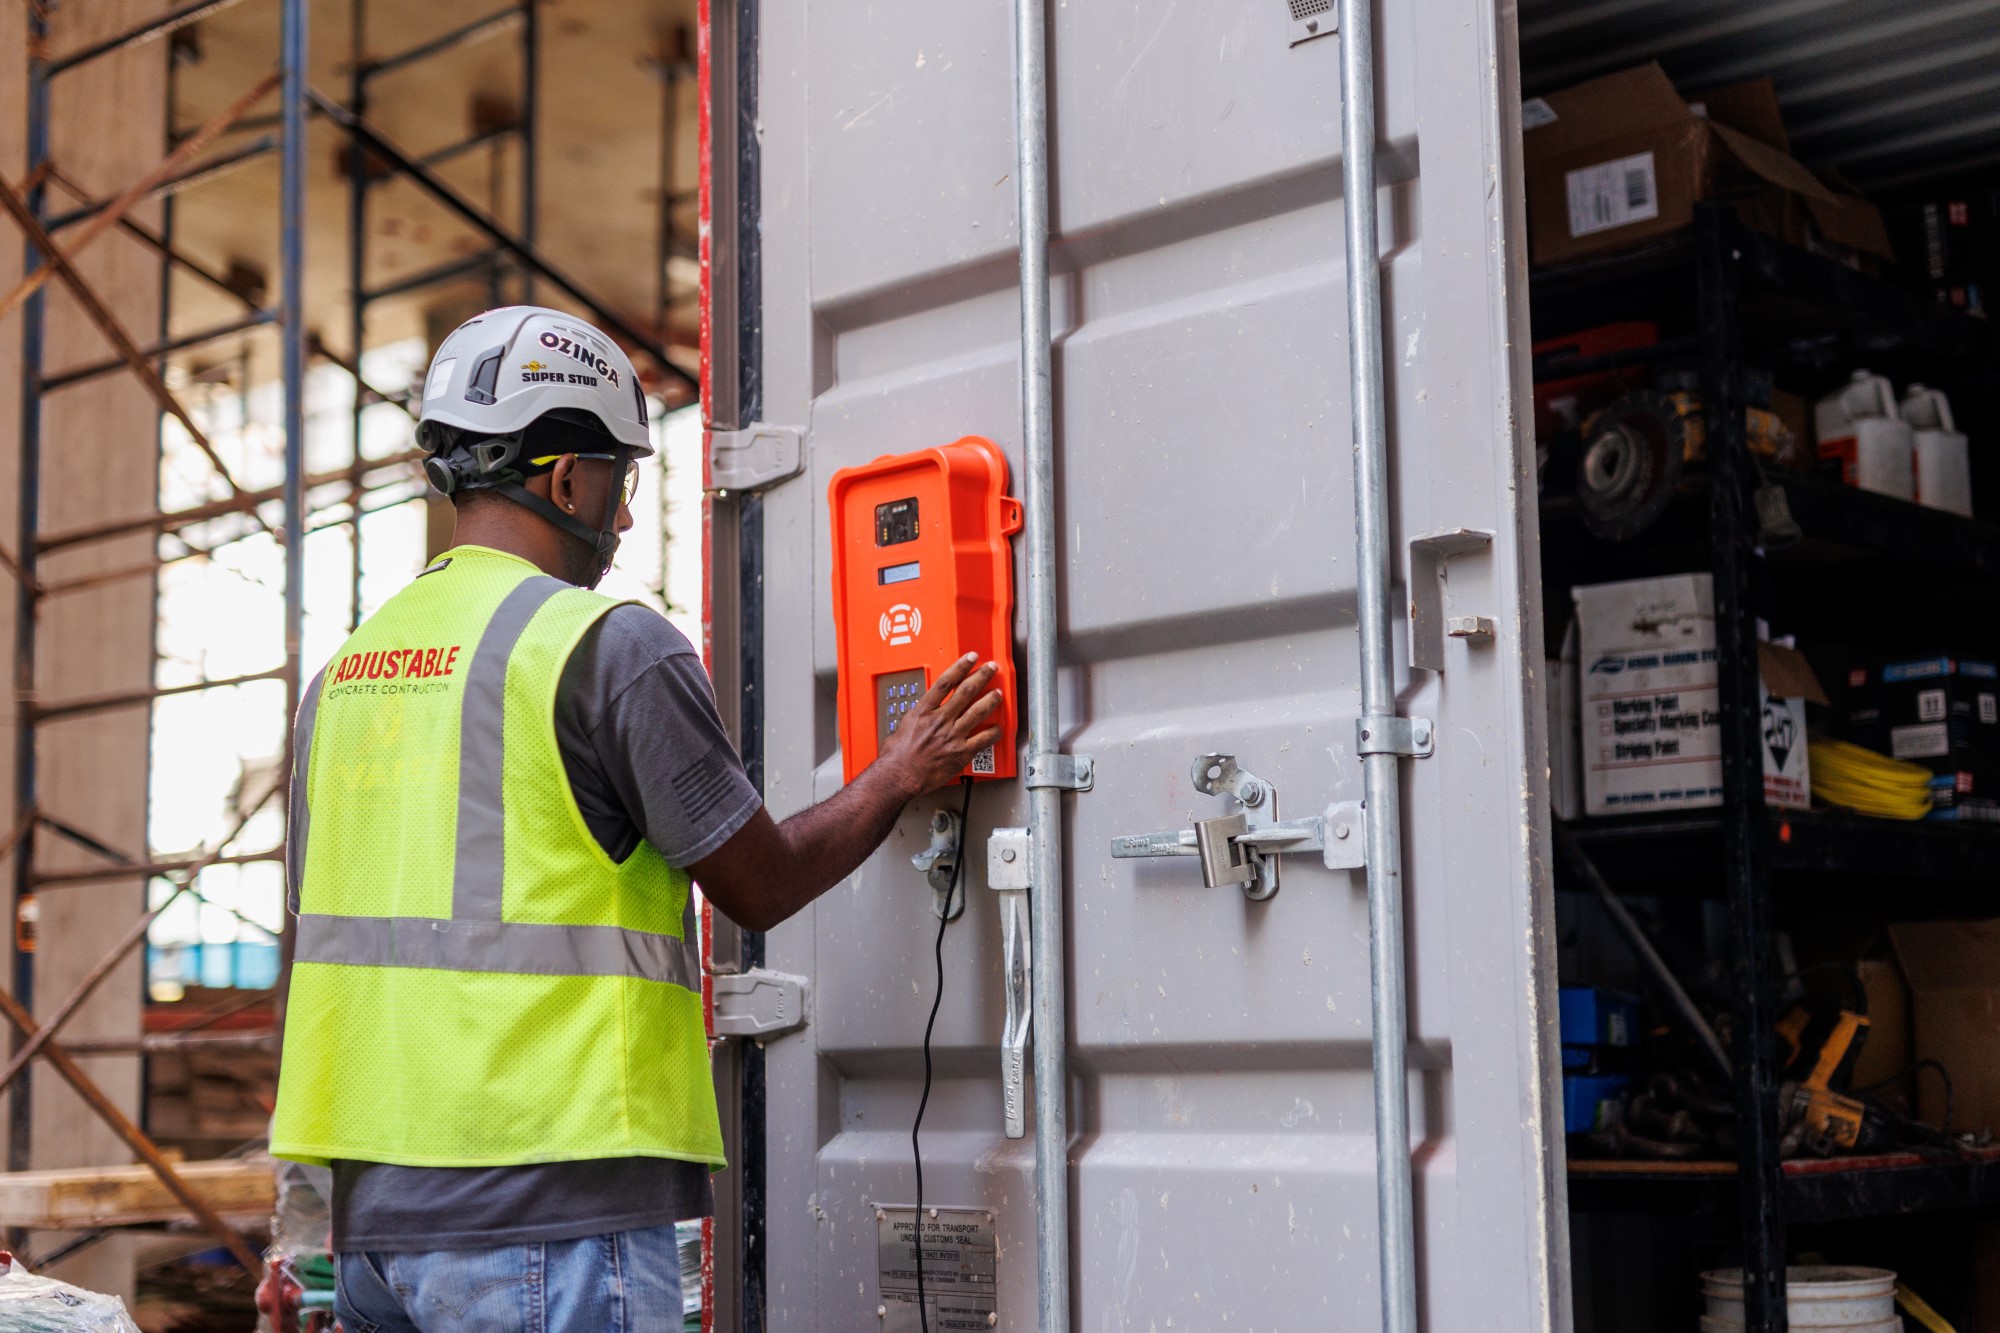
[1243, 847]
[1008, 874]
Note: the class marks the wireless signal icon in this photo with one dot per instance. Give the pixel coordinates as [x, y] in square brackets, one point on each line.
[901, 623]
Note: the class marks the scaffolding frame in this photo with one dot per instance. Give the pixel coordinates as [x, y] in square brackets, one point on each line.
[47, 259]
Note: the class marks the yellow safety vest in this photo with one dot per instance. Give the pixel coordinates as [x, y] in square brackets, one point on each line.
[476, 982]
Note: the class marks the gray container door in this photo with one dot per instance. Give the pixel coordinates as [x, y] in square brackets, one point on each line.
[1223, 1172]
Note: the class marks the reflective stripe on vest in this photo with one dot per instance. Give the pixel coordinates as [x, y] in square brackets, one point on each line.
[476, 939]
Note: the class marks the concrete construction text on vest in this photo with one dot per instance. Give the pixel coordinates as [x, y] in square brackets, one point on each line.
[408, 663]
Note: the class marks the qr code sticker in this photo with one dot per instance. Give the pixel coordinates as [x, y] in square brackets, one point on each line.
[983, 762]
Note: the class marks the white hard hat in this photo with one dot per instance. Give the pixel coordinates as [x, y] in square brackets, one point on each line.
[499, 371]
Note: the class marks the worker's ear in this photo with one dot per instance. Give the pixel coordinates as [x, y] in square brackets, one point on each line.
[563, 484]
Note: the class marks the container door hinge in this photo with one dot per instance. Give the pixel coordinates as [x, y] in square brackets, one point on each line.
[754, 457]
[758, 1004]
[1243, 847]
[1070, 772]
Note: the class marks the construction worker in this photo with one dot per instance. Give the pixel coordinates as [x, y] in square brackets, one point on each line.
[504, 786]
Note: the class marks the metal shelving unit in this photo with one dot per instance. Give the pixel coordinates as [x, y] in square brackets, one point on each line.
[1833, 1190]
[1667, 854]
[1732, 288]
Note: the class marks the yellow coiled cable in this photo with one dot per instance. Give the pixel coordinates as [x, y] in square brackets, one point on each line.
[1872, 784]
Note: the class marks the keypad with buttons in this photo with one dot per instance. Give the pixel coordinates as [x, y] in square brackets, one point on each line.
[896, 695]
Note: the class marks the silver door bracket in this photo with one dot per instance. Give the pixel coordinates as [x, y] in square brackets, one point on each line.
[1008, 874]
[754, 457]
[1243, 847]
[1410, 737]
[1069, 772]
[758, 1004]
[1430, 626]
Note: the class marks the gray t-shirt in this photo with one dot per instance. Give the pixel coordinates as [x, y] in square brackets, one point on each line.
[647, 758]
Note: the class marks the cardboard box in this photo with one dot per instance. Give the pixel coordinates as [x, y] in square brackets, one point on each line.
[1886, 1053]
[1940, 711]
[1649, 723]
[1950, 247]
[1623, 160]
[1954, 972]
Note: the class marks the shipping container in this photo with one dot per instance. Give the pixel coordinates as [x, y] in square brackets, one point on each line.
[863, 301]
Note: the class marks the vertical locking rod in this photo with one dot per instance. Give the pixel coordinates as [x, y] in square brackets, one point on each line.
[1045, 812]
[1381, 773]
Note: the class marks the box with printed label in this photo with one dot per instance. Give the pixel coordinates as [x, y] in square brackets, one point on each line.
[1650, 725]
[1624, 159]
[1950, 245]
[1940, 711]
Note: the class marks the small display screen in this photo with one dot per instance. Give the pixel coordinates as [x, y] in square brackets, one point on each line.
[896, 522]
[898, 573]
[896, 694]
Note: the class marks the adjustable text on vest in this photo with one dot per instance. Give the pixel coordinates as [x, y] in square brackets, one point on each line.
[410, 664]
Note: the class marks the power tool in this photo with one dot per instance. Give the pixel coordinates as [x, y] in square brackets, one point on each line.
[1823, 1042]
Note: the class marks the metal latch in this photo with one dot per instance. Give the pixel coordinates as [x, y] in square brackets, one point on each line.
[1008, 873]
[754, 457]
[1243, 847]
[758, 1004]
[939, 862]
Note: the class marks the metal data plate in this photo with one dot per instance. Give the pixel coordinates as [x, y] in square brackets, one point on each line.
[959, 1270]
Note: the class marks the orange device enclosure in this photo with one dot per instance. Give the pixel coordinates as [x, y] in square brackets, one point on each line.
[922, 572]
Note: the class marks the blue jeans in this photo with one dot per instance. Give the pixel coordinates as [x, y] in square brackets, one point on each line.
[626, 1282]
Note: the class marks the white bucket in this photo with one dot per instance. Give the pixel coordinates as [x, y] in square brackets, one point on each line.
[1944, 464]
[1861, 427]
[1851, 1300]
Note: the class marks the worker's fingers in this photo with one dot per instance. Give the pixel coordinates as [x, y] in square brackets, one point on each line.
[988, 737]
[971, 688]
[976, 715]
[948, 680]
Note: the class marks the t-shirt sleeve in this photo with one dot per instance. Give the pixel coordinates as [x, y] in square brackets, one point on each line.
[654, 730]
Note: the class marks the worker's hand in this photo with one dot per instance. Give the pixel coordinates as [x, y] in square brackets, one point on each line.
[934, 741]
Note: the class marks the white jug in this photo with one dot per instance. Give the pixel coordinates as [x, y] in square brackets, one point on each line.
[1860, 426]
[1944, 464]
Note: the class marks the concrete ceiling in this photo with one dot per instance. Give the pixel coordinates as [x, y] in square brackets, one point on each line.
[602, 119]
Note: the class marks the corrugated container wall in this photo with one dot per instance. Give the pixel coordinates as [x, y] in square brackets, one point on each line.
[1221, 1103]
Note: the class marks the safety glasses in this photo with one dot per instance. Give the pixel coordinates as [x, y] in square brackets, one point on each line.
[631, 471]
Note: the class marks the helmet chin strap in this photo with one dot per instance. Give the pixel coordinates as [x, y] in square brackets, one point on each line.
[602, 540]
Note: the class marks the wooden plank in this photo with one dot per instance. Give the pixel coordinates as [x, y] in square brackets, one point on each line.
[1797, 1167]
[81, 1198]
[1629, 1167]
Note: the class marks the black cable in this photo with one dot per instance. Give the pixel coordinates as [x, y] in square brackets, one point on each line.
[937, 999]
